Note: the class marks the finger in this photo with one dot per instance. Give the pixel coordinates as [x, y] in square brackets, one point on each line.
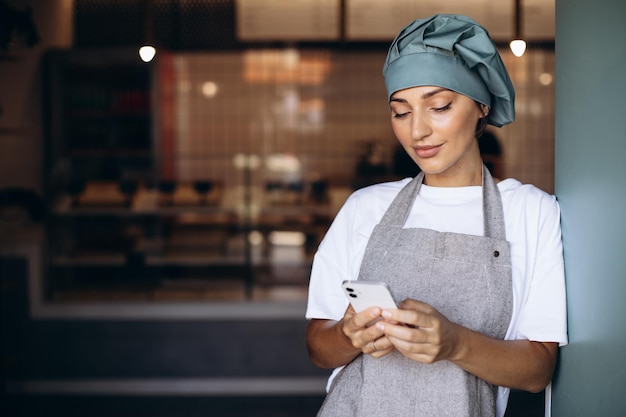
[378, 347]
[365, 317]
[347, 316]
[408, 318]
[381, 353]
[355, 327]
[421, 352]
[402, 332]
[412, 342]
[382, 343]
[413, 313]
[369, 340]
[383, 347]
[369, 348]
[411, 304]
[422, 345]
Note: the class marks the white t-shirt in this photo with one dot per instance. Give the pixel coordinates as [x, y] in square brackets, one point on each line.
[532, 223]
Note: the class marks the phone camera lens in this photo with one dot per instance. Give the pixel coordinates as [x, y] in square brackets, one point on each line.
[353, 295]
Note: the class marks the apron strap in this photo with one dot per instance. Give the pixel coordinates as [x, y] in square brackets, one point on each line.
[492, 208]
[400, 207]
[493, 213]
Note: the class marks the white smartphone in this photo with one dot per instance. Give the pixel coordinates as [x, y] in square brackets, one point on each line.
[365, 294]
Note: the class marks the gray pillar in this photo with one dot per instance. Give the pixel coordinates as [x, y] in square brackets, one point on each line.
[590, 184]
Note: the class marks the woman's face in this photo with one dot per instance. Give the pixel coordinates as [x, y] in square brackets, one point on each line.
[437, 128]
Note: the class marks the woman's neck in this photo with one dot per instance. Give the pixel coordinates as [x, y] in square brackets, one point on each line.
[456, 177]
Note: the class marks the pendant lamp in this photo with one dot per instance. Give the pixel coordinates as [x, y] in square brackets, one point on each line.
[518, 45]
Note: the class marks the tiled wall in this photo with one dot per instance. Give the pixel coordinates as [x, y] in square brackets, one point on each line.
[322, 108]
[529, 142]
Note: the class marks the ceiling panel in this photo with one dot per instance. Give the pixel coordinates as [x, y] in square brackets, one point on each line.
[380, 20]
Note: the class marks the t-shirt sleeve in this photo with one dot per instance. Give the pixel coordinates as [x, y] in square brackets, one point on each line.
[543, 312]
[340, 254]
[331, 266]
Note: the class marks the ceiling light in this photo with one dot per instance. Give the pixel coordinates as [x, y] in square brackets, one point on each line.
[518, 45]
[146, 53]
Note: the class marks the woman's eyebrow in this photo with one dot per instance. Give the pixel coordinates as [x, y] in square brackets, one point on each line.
[424, 96]
[431, 93]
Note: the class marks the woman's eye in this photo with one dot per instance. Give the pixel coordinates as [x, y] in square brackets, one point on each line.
[400, 115]
[442, 109]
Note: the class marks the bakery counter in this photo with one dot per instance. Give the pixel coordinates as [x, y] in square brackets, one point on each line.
[103, 241]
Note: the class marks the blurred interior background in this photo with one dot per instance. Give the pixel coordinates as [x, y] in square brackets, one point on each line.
[159, 216]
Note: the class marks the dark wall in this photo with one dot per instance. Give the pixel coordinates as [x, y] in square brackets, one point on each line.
[175, 25]
[59, 349]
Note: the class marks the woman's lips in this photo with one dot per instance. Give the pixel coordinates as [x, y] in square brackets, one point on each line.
[427, 151]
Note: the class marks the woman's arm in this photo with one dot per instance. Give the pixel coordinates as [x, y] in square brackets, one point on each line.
[336, 343]
[520, 364]
[328, 346]
[427, 336]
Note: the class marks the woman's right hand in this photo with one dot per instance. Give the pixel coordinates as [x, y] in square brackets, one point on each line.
[334, 343]
[358, 328]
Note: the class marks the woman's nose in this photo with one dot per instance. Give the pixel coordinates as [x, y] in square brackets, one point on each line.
[419, 127]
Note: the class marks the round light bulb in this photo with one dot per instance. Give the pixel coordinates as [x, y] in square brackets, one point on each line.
[518, 47]
[209, 89]
[146, 53]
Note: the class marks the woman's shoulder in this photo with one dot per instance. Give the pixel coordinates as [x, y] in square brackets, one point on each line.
[383, 191]
[370, 202]
[517, 189]
[519, 196]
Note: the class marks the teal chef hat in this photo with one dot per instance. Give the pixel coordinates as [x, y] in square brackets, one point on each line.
[453, 52]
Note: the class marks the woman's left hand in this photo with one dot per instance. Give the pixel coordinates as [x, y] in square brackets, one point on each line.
[422, 333]
[425, 335]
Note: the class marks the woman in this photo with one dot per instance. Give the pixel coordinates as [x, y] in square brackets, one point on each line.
[477, 262]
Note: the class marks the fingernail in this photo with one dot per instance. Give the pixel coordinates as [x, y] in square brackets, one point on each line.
[380, 326]
[386, 314]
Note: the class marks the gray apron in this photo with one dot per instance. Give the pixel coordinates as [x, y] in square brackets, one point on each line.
[467, 278]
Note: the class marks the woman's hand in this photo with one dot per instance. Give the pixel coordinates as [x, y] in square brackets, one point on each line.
[421, 333]
[333, 343]
[369, 339]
